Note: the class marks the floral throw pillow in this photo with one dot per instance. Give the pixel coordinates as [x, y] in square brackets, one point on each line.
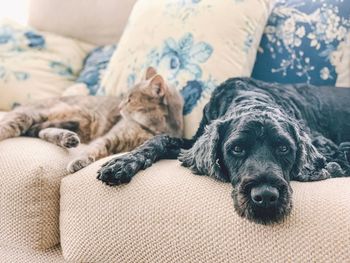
[36, 65]
[94, 66]
[195, 45]
[306, 41]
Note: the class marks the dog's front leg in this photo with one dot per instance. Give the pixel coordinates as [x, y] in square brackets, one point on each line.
[122, 169]
[343, 157]
[337, 157]
[345, 148]
[325, 146]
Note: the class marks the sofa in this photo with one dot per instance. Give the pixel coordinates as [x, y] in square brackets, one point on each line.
[165, 214]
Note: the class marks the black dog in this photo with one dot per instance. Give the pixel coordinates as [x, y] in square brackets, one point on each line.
[258, 136]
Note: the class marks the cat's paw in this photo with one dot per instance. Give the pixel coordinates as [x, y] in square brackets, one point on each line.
[70, 140]
[118, 171]
[79, 163]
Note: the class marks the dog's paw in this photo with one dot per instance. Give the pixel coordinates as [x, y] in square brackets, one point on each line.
[70, 140]
[79, 163]
[345, 148]
[334, 169]
[118, 171]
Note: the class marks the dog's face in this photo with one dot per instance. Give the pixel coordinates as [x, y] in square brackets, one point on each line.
[258, 155]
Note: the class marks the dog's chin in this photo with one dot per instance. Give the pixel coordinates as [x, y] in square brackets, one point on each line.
[245, 207]
[264, 216]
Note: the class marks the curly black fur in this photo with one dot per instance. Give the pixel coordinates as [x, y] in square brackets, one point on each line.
[255, 133]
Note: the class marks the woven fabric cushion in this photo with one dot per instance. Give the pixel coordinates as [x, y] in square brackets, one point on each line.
[167, 214]
[195, 45]
[94, 21]
[15, 255]
[30, 175]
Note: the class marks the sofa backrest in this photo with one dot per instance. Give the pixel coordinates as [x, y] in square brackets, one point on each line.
[94, 21]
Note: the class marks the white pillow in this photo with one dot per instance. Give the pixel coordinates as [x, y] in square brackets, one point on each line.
[195, 44]
[100, 22]
[36, 65]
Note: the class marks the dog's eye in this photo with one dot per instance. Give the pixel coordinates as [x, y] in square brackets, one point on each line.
[283, 148]
[238, 150]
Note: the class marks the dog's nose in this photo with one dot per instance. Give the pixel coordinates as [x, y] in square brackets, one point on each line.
[264, 195]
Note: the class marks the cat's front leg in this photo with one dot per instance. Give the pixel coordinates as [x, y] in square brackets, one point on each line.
[122, 169]
[101, 147]
[60, 137]
[97, 149]
[80, 163]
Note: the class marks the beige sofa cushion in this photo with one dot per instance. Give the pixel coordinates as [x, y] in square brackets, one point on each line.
[167, 214]
[94, 21]
[15, 255]
[30, 175]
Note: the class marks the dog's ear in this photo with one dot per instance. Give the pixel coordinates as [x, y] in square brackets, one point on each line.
[310, 165]
[202, 158]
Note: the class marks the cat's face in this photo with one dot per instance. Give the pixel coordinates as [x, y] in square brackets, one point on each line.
[146, 103]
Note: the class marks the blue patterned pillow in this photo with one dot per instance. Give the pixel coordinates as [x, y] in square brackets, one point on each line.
[193, 44]
[36, 65]
[306, 41]
[94, 65]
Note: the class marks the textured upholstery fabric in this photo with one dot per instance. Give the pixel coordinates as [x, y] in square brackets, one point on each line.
[15, 255]
[94, 21]
[30, 175]
[167, 214]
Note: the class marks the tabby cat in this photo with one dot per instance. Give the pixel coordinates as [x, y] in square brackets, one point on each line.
[108, 124]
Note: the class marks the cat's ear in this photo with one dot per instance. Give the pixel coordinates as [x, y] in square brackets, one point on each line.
[150, 72]
[158, 86]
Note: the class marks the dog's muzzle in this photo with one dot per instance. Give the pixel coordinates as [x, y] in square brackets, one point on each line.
[264, 195]
[264, 199]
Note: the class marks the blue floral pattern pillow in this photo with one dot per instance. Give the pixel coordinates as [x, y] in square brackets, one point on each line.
[193, 44]
[94, 66]
[306, 41]
[36, 65]
[182, 59]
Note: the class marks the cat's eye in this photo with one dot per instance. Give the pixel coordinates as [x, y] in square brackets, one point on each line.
[283, 148]
[238, 150]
